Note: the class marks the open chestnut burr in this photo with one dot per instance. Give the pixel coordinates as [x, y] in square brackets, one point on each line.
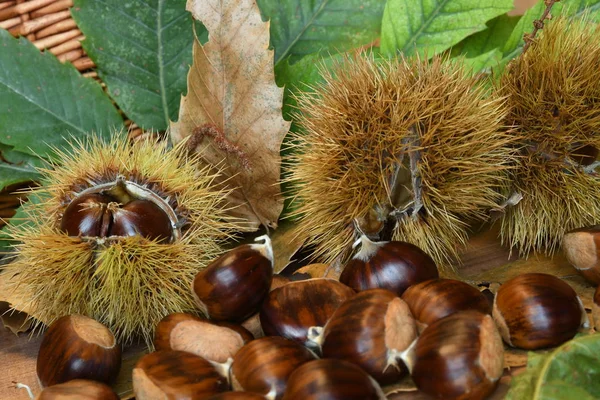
[371, 330]
[457, 357]
[331, 379]
[232, 287]
[78, 347]
[388, 265]
[176, 375]
[215, 341]
[537, 310]
[264, 365]
[437, 298]
[290, 310]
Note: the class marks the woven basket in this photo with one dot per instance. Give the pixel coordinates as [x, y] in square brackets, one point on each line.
[49, 26]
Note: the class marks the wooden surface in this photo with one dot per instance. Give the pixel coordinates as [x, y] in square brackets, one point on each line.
[484, 260]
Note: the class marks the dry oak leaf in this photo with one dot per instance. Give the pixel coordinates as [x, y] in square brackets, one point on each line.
[233, 107]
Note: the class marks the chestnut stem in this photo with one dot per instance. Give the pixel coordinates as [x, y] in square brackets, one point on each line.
[224, 369]
[315, 335]
[585, 321]
[408, 356]
[266, 248]
[23, 386]
[367, 248]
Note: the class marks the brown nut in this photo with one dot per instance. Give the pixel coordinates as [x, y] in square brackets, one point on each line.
[581, 247]
[176, 375]
[78, 389]
[214, 341]
[388, 265]
[233, 287]
[78, 347]
[371, 330]
[264, 365]
[253, 322]
[237, 396]
[331, 379]
[292, 309]
[458, 357]
[537, 310]
[437, 298]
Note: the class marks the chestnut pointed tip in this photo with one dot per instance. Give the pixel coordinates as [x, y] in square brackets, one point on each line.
[265, 248]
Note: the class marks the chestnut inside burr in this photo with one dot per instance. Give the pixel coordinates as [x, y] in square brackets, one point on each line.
[119, 209]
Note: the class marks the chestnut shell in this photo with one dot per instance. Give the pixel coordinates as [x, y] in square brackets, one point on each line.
[291, 309]
[455, 356]
[437, 298]
[266, 363]
[78, 347]
[87, 215]
[233, 287]
[332, 380]
[391, 265]
[144, 218]
[79, 389]
[536, 310]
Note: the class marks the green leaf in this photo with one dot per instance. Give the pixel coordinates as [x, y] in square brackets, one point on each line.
[17, 167]
[428, 27]
[571, 371]
[571, 8]
[482, 50]
[42, 101]
[301, 27]
[143, 50]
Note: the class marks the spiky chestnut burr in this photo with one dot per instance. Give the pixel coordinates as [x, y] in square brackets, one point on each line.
[409, 150]
[126, 278]
[553, 92]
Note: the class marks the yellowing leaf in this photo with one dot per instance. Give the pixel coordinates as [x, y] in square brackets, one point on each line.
[233, 107]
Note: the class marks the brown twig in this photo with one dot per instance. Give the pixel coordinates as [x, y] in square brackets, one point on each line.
[538, 24]
[55, 40]
[220, 141]
[83, 64]
[52, 8]
[61, 26]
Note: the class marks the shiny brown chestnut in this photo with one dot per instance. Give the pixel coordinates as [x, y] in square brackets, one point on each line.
[331, 379]
[458, 357]
[292, 309]
[582, 249]
[596, 309]
[176, 375]
[78, 389]
[232, 287]
[144, 218]
[87, 215]
[252, 323]
[214, 341]
[388, 265]
[437, 298]
[78, 347]
[536, 310]
[264, 365]
[371, 330]
[238, 396]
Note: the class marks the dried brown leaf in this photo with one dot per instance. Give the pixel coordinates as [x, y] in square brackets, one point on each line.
[285, 244]
[232, 112]
[15, 321]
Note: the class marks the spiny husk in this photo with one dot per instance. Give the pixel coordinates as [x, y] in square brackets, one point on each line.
[554, 97]
[129, 283]
[354, 130]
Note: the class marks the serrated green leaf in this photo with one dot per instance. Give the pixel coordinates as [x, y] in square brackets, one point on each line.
[432, 26]
[571, 371]
[302, 27]
[17, 167]
[143, 50]
[44, 102]
[572, 8]
[482, 50]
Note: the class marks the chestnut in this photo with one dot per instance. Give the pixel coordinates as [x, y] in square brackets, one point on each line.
[370, 329]
[536, 310]
[78, 347]
[388, 265]
[144, 218]
[332, 380]
[237, 396]
[87, 215]
[290, 310]
[80, 389]
[582, 251]
[176, 375]
[437, 298]
[232, 287]
[460, 356]
[596, 309]
[214, 341]
[264, 365]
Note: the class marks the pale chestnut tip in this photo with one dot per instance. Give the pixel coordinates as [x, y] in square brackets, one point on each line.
[367, 248]
[265, 248]
[315, 335]
[581, 249]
